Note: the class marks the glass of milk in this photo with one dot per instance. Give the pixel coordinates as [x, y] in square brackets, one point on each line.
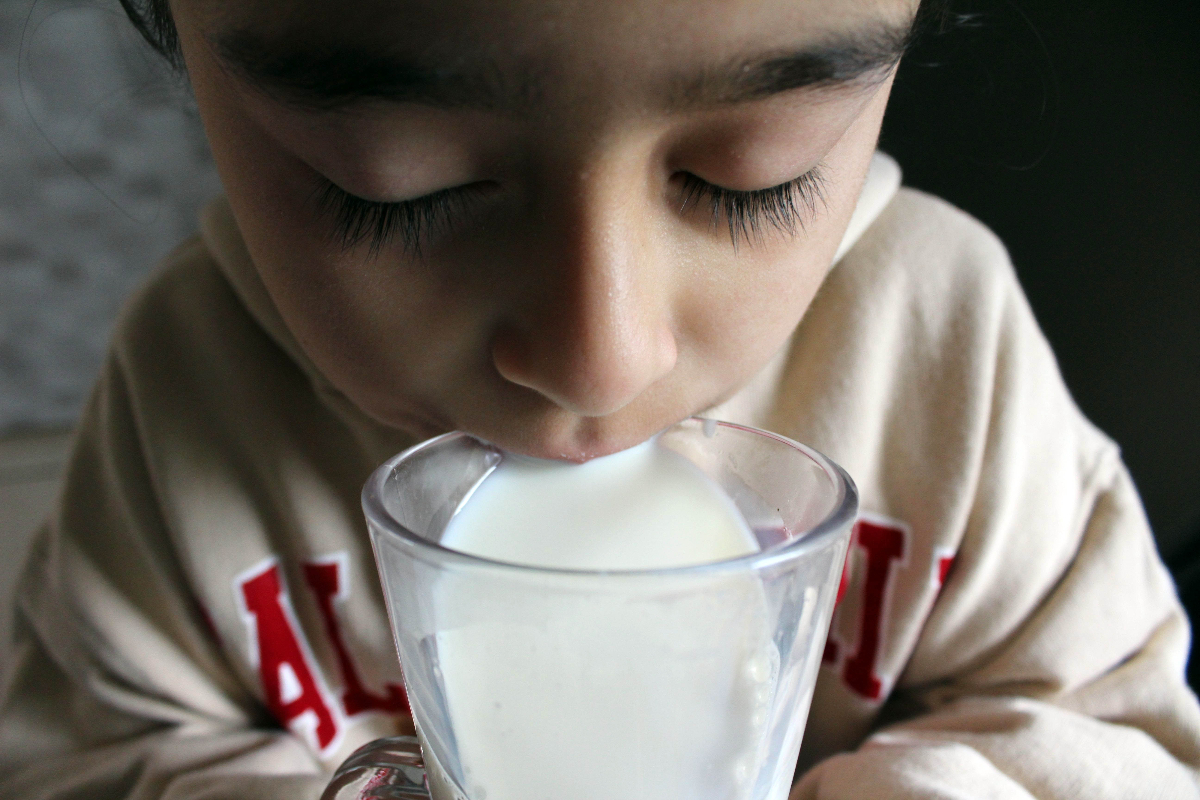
[645, 625]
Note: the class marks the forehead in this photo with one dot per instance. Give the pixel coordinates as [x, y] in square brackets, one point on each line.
[639, 31]
[508, 55]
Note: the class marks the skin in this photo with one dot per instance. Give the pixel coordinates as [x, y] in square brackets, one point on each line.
[577, 308]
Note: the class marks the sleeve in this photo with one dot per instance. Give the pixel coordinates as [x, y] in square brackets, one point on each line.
[1085, 699]
[1051, 664]
[115, 688]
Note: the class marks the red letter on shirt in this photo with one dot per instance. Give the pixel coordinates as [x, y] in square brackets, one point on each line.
[830, 656]
[326, 581]
[883, 544]
[943, 560]
[285, 664]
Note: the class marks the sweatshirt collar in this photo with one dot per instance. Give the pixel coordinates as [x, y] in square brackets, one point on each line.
[880, 186]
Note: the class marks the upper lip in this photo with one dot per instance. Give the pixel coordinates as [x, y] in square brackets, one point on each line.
[575, 448]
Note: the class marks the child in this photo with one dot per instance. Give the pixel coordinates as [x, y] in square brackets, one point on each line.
[562, 226]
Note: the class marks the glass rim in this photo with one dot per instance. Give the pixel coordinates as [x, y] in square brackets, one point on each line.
[842, 513]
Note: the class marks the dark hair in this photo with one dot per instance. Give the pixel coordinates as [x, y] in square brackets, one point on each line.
[153, 21]
[936, 16]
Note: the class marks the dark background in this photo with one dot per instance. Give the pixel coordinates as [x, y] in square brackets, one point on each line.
[1071, 129]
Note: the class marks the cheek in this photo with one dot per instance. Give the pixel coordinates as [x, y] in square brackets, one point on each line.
[739, 323]
[738, 310]
[346, 316]
[344, 308]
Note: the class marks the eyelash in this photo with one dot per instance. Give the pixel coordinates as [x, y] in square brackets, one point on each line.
[356, 220]
[786, 207]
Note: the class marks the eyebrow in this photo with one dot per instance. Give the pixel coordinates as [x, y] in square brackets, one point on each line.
[862, 58]
[330, 76]
[333, 75]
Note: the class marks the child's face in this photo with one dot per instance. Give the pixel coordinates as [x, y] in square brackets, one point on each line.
[567, 283]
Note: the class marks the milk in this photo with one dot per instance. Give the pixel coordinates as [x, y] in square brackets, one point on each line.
[644, 508]
[650, 690]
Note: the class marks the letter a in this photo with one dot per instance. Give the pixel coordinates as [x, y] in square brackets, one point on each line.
[290, 679]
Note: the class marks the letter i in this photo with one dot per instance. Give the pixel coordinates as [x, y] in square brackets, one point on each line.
[884, 544]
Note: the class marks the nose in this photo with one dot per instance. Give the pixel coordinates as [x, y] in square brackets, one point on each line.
[595, 330]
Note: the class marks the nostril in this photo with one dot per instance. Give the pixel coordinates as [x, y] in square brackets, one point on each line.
[510, 357]
[589, 381]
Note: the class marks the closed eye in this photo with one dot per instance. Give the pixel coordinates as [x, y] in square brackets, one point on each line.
[787, 207]
[413, 222]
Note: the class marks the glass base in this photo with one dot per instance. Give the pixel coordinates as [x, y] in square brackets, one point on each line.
[385, 769]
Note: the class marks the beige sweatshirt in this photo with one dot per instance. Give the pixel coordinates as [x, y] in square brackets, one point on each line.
[201, 617]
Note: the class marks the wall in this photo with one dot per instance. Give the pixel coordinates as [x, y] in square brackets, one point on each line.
[103, 167]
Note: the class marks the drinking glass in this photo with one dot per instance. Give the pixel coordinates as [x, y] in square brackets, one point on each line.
[528, 682]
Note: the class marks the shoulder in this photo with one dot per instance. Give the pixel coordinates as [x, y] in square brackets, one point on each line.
[201, 377]
[920, 367]
[923, 298]
[186, 308]
[919, 223]
[935, 260]
[187, 333]
[928, 301]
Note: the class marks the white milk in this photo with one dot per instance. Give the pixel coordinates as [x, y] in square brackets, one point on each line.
[647, 691]
[644, 508]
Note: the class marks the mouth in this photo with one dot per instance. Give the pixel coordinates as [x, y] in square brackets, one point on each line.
[550, 436]
[525, 423]
[576, 441]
